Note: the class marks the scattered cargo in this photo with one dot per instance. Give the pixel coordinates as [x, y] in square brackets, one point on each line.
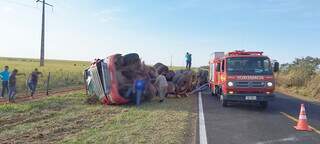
[110, 80]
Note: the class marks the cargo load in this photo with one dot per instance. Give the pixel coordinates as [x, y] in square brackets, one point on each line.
[111, 80]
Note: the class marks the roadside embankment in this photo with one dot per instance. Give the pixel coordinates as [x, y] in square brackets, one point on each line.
[300, 78]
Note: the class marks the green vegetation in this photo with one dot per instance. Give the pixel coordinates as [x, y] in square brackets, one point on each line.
[63, 73]
[301, 77]
[68, 119]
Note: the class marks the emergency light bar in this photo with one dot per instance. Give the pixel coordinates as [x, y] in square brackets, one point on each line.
[235, 53]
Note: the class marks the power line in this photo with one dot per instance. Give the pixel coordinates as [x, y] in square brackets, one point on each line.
[20, 4]
[43, 30]
[43, 1]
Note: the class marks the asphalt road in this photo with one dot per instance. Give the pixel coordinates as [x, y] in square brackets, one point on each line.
[247, 124]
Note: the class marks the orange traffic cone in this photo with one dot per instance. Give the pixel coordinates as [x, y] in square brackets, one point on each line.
[302, 124]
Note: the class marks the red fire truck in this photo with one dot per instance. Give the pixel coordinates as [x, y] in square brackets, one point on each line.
[241, 76]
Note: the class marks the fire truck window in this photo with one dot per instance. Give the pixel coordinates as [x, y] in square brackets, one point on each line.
[266, 65]
[250, 65]
[222, 66]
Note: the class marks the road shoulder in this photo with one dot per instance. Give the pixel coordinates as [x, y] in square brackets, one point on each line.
[287, 92]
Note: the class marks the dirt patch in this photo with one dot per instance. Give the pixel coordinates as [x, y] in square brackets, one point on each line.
[23, 119]
[24, 98]
[92, 100]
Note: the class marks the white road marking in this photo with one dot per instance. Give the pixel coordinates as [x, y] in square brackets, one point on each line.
[289, 139]
[202, 126]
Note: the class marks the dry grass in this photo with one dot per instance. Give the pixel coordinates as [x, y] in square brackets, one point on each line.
[297, 93]
[301, 77]
[67, 119]
[310, 90]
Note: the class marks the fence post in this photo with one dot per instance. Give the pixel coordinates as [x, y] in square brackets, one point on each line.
[48, 82]
[27, 86]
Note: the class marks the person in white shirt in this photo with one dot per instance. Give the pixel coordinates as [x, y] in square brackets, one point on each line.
[162, 84]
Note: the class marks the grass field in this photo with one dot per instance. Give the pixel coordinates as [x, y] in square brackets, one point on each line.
[68, 119]
[63, 73]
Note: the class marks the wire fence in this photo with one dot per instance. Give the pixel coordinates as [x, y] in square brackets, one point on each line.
[63, 74]
[51, 81]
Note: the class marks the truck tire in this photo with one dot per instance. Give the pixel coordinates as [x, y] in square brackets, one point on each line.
[118, 61]
[223, 101]
[130, 58]
[264, 104]
[157, 65]
[162, 69]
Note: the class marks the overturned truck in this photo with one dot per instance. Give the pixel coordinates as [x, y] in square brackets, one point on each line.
[111, 80]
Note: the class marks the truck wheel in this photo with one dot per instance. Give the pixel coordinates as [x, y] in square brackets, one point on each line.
[224, 103]
[264, 104]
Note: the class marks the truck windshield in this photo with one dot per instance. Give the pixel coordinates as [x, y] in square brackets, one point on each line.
[249, 66]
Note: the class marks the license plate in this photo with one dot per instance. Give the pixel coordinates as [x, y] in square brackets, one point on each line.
[251, 98]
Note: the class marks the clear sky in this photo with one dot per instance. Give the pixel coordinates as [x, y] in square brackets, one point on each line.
[159, 29]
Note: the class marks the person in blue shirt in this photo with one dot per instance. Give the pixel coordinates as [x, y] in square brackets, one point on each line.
[4, 75]
[139, 87]
[188, 60]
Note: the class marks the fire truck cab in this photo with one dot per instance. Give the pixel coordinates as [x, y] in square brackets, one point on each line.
[241, 76]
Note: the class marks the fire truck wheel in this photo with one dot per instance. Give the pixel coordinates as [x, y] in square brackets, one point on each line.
[224, 103]
[264, 104]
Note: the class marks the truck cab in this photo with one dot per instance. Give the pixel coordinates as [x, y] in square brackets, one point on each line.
[242, 76]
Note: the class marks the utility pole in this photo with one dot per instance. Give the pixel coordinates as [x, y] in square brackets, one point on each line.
[171, 61]
[43, 30]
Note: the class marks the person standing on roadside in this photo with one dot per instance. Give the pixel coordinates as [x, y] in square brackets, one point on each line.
[188, 60]
[12, 85]
[4, 75]
[33, 81]
[162, 84]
